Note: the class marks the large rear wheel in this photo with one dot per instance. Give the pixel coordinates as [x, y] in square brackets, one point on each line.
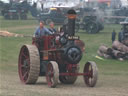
[91, 27]
[91, 70]
[29, 64]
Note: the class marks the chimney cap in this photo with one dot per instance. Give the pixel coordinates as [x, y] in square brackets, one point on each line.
[72, 11]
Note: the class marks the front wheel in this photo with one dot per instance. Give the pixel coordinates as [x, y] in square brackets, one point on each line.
[91, 71]
[52, 74]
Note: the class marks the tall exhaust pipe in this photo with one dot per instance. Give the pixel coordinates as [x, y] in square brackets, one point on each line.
[71, 14]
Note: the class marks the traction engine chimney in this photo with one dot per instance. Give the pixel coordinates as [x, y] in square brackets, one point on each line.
[71, 22]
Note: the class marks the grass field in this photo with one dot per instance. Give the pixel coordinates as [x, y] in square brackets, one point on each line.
[113, 74]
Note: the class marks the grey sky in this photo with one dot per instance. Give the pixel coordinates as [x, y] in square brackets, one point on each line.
[5, 1]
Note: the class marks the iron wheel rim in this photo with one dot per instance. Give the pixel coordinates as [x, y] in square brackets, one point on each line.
[24, 64]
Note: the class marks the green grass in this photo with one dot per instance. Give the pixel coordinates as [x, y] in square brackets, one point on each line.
[10, 47]
[9, 51]
[15, 23]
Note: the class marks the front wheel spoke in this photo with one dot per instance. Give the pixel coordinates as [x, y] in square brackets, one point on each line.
[52, 74]
[49, 81]
[87, 79]
[90, 74]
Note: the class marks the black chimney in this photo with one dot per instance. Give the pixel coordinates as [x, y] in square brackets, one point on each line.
[71, 22]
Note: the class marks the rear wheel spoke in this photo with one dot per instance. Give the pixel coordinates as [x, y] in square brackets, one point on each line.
[25, 55]
[25, 74]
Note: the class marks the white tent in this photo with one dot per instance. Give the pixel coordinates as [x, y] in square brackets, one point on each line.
[124, 3]
[119, 3]
[59, 3]
[5, 1]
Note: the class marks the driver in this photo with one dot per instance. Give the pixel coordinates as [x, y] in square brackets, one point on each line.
[41, 30]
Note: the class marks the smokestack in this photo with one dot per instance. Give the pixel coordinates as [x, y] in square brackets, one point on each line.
[71, 22]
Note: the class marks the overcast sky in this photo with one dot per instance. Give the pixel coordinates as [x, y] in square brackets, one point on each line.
[5, 1]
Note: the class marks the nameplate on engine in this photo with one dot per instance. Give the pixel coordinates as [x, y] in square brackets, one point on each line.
[73, 37]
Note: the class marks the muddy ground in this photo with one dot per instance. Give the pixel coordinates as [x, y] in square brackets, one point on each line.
[107, 85]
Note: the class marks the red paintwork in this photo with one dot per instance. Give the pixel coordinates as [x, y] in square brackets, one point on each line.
[81, 44]
[54, 53]
[74, 74]
[49, 48]
[47, 44]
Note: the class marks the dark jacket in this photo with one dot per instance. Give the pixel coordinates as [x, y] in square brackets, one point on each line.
[53, 30]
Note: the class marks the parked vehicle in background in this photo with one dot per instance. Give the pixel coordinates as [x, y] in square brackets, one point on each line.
[89, 21]
[52, 15]
[115, 15]
[14, 11]
[19, 10]
[123, 34]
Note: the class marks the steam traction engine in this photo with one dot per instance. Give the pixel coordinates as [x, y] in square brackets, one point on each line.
[56, 57]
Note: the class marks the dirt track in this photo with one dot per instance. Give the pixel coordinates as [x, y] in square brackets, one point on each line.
[107, 85]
